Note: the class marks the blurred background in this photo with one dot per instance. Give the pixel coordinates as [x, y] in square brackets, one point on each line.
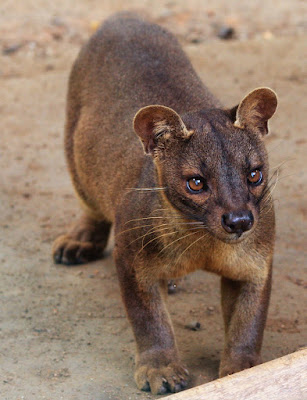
[63, 331]
[42, 28]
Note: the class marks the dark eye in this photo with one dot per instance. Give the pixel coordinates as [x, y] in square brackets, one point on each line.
[255, 177]
[196, 185]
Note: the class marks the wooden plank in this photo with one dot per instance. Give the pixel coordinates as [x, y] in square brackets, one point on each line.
[282, 379]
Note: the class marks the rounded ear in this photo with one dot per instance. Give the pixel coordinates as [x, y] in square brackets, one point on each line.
[156, 124]
[256, 109]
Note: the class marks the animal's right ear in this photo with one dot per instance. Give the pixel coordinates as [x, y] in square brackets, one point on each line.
[156, 124]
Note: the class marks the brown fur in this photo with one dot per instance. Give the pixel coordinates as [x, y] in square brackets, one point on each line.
[163, 230]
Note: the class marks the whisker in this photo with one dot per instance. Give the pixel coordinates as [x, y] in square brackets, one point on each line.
[270, 188]
[188, 247]
[154, 217]
[174, 241]
[287, 176]
[276, 147]
[266, 211]
[278, 166]
[266, 191]
[132, 229]
[155, 238]
[275, 184]
[159, 228]
[182, 219]
[151, 231]
[267, 194]
[147, 189]
[197, 230]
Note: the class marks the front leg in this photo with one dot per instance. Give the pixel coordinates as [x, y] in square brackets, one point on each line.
[245, 306]
[157, 362]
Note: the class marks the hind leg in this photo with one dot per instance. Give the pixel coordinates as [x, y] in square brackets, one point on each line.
[85, 242]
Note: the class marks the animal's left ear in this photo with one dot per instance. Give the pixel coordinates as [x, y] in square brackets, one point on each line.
[255, 110]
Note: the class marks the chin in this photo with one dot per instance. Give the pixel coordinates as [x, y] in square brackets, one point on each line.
[233, 238]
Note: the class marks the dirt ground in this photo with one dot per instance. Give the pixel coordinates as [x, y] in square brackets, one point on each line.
[64, 333]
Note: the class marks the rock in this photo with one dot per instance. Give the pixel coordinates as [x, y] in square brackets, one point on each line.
[195, 40]
[267, 35]
[210, 310]
[193, 326]
[11, 49]
[226, 32]
[172, 287]
[94, 25]
[57, 21]
[166, 13]
[49, 67]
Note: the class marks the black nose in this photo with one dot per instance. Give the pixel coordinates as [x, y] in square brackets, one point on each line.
[238, 221]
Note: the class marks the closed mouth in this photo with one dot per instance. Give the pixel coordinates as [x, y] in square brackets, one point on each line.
[234, 238]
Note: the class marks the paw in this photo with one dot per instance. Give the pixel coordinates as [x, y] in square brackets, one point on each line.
[234, 364]
[172, 377]
[73, 252]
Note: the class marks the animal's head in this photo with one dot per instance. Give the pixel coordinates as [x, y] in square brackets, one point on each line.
[212, 163]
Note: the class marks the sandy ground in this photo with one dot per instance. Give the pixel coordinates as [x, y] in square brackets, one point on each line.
[64, 334]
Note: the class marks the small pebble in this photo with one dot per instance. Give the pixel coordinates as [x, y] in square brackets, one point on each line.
[226, 32]
[49, 67]
[195, 40]
[267, 35]
[57, 21]
[39, 330]
[11, 49]
[193, 326]
[94, 25]
[172, 287]
[166, 13]
[210, 310]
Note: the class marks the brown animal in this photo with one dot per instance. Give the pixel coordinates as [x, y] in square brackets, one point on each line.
[194, 196]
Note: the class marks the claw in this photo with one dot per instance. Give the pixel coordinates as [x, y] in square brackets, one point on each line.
[171, 377]
[162, 390]
[146, 387]
[177, 388]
